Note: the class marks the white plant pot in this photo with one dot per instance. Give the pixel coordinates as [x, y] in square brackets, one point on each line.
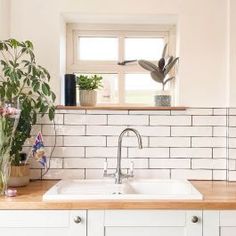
[163, 99]
[88, 97]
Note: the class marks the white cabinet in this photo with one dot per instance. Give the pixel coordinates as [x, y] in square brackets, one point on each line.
[144, 222]
[219, 223]
[42, 222]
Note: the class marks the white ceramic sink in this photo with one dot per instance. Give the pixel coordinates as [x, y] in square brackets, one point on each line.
[130, 189]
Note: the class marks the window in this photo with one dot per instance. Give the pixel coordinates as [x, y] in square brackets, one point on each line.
[97, 49]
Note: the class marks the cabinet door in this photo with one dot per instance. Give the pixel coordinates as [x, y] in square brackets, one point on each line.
[42, 222]
[143, 223]
[227, 223]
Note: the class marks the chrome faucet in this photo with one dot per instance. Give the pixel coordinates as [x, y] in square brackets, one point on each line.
[118, 175]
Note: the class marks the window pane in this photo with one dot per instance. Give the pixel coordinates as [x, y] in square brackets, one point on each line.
[143, 48]
[109, 92]
[140, 88]
[94, 48]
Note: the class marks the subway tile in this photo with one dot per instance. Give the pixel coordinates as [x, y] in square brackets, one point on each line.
[209, 120]
[58, 119]
[55, 163]
[232, 153]
[232, 111]
[219, 131]
[219, 152]
[219, 174]
[127, 120]
[191, 174]
[126, 163]
[209, 164]
[107, 112]
[74, 119]
[170, 120]
[169, 142]
[220, 111]
[48, 141]
[65, 174]
[170, 163]
[95, 173]
[63, 130]
[35, 174]
[70, 111]
[84, 141]
[191, 131]
[232, 142]
[190, 152]
[126, 142]
[232, 175]
[148, 152]
[84, 162]
[151, 173]
[231, 164]
[193, 111]
[68, 152]
[232, 121]
[208, 142]
[104, 152]
[232, 132]
[105, 130]
[35, 130]
[152, 131]
[149, 112]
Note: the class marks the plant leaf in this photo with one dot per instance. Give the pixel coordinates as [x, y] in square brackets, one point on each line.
[147, 65]
[169, 79]
[170, 66]
[164, 51]
[157, 76]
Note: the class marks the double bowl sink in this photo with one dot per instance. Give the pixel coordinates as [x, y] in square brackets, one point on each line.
[100, 189]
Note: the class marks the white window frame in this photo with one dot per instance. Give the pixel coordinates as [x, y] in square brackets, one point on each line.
[121, 31]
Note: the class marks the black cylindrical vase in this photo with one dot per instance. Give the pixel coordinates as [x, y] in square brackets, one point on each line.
[70, 90]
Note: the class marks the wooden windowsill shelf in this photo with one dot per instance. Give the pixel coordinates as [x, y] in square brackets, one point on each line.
[120, 107]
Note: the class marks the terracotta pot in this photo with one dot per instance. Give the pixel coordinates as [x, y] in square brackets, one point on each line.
[20, 176]
[88, 97]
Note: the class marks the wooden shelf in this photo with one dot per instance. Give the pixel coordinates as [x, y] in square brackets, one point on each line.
[120, 107]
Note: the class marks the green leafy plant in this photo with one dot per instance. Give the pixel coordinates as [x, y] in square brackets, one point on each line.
[160, 72]
[89, 82]
[23, 80]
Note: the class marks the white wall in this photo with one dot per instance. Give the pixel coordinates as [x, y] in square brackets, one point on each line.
[202, 38]
[4, 19]
[232, 88]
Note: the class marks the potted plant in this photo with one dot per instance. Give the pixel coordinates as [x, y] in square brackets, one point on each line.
[23, 80]
[161, 73]
[87, 89]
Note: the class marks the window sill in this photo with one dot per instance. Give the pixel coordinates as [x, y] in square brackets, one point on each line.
[120, 107]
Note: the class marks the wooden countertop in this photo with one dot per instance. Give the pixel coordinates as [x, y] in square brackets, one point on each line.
[217, 195]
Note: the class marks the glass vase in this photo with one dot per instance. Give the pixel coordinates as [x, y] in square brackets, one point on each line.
[5, 168]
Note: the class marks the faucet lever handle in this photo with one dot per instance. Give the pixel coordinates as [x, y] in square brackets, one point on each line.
[131, 169]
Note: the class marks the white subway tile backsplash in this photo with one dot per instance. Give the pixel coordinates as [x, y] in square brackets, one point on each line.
[191, 174]
[127, 120]
[170, 120]
[193, 111]
[169, 142]
[104, 152]
[209, 120]
[191, 152]
[170, 163]
[151, 173]
[153, 131]
[126, 142]
[73, 119]
[209, 164]
[148, 152]
[105, 130]
[63, 130]
[84, 141]
[190, 143]
[84, 163]
[191, 131]
[208, 142]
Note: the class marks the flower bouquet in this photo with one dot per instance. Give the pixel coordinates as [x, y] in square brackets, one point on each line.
[9, 117]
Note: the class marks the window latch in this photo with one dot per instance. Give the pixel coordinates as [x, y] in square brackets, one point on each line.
[123, 63]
